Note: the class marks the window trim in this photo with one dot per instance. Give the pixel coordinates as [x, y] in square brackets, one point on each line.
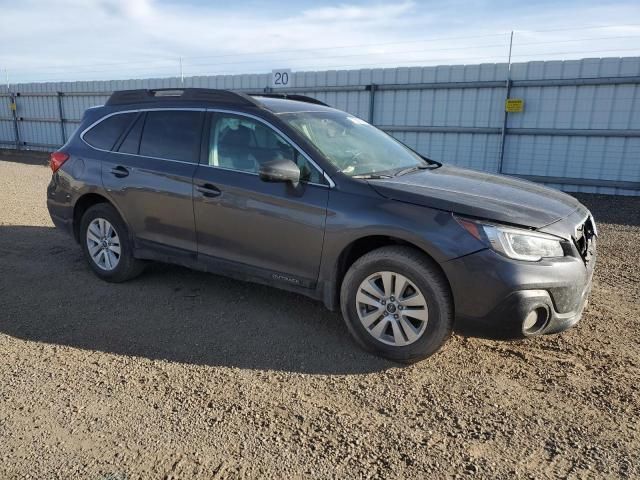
[331, 183]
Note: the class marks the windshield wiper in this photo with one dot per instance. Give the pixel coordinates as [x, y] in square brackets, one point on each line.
[404, 171]
[372, 176]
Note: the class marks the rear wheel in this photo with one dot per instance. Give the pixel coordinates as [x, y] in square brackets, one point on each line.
[396, 303]
[106, 245]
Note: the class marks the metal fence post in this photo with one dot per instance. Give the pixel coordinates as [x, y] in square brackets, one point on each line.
[14, 115]
[61, 117]
[503, 132]
[372, 101]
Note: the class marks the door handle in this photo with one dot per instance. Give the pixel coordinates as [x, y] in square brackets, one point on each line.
[119, 171]
[208, 190]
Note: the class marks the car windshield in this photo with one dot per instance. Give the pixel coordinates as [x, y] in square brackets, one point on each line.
[353, 146]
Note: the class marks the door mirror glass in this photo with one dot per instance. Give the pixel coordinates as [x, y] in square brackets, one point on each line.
[281, 170]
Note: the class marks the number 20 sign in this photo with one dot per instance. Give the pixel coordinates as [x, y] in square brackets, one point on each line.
[281, 78]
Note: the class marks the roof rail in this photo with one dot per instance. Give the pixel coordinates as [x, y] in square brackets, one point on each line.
[291, 96]
[124, 97]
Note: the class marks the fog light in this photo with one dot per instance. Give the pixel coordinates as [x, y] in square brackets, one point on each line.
[535, 321]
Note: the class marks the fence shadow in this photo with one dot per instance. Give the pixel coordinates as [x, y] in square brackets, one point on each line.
[619, 210]
[24, 157]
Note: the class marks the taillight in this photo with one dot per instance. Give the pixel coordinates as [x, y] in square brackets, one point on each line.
[57, 159]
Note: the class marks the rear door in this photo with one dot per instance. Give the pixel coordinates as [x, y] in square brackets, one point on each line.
[269, 230]
[149, 173]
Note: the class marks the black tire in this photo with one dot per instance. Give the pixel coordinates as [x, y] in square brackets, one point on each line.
[128, 266]
[427, 277]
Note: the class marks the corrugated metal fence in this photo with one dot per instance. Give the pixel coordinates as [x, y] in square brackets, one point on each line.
[579, 130]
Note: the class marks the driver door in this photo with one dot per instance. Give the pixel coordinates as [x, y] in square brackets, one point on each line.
[269, 230]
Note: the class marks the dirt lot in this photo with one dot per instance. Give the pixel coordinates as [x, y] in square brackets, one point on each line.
[179, 374]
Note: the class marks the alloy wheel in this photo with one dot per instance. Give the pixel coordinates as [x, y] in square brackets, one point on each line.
[392, 308]
[103, 244]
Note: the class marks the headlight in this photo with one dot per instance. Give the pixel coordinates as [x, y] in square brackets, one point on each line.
[515, 243]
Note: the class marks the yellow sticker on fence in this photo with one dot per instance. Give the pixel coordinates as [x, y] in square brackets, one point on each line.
[12, 106]
[513, 105]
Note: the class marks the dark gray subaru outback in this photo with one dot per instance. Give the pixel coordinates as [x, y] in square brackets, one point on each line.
[286, 191]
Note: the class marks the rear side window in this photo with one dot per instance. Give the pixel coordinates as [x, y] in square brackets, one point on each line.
[173, 135]
[131, 142]
[105, 134]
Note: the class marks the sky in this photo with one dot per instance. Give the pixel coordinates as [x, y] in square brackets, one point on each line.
[43, 40]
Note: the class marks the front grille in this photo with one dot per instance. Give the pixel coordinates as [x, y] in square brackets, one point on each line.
[584, 238]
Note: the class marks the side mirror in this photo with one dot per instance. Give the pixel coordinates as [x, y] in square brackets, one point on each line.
[280, 171]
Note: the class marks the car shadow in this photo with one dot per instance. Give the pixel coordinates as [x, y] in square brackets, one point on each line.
[48, 294]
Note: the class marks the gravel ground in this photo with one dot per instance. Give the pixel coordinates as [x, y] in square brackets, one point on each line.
[180, 374]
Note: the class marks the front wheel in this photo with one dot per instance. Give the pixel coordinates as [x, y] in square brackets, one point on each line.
[397, 304]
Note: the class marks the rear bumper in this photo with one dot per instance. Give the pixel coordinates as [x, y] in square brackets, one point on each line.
[494, 295]
[62, 223]
[59, 207]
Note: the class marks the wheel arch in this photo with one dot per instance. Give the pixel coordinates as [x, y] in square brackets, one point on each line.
[83, 203]
[363, 245]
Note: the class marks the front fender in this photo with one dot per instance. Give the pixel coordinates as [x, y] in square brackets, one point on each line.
[354, 217]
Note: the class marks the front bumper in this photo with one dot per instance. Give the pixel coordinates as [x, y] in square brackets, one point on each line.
[507, 319]
[494, 295]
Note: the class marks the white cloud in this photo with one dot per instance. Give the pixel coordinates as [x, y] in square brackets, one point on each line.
[349, 13]
[101, 39]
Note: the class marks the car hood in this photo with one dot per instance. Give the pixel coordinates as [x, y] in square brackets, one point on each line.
[468, 192]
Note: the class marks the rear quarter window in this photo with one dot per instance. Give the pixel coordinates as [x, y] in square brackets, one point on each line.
[105, 134]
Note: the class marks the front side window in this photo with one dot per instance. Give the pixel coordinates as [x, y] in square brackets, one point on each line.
[240, 143]
[105, 134]
[352, 145]
[172, 134]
